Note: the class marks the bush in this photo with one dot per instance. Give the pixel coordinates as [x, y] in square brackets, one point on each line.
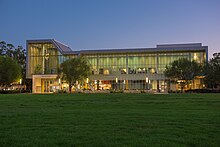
[116, 91]
[174, 91]
[195, 91]
[61, 91]
[14, 91]
[142, 91]
[202, 91]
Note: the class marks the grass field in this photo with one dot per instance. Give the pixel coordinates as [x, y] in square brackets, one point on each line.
[110, 120]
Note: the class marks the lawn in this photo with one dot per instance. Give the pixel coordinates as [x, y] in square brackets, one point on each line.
[110, 120]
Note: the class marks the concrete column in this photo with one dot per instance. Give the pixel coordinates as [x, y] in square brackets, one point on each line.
[126, 85]
[126, 63]
[98, 64]
[33, 85]
[43, 54]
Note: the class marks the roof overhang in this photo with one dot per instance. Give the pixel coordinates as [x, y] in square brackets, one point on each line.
[64, 49]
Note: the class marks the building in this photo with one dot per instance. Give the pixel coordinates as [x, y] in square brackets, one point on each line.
[137, 68]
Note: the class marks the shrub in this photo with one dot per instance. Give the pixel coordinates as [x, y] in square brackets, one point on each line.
[14, 91]
[117, 91]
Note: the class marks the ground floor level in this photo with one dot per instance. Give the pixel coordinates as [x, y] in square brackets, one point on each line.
[51, 84]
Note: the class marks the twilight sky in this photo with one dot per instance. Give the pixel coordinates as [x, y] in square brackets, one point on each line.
[98, 24]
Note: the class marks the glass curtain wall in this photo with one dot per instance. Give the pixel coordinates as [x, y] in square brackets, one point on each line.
[141, 63]
[167, 58]
[111, 64]
[135, 64]
[44, 58]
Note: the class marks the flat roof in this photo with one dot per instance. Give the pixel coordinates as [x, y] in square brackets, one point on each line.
[64, 49]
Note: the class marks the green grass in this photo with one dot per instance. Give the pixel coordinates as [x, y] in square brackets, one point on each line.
[110, 120]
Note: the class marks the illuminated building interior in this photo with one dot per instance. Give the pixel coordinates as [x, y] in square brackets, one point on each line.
[112, 69]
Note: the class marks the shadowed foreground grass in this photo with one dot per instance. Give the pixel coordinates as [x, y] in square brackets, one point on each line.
[110, 120]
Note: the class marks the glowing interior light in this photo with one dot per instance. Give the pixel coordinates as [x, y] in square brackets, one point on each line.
[146, 79]
[195, 57]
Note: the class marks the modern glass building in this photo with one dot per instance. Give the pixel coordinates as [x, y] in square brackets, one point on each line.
[127, 69]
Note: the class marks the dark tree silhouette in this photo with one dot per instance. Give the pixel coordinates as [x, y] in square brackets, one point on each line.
[76, 69]
[183, 70]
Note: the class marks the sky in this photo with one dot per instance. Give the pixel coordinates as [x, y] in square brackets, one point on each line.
[103, 24]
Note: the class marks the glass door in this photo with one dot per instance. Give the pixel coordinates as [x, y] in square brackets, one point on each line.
[46, 85]
[50, 85]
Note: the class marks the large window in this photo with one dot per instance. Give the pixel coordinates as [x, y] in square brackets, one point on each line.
[111, 64]
[43, 58]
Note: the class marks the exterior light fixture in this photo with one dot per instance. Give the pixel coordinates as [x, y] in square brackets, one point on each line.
[87, 80]
[20, 84]
[116, 80]
[59, 81]
[147, 79]
[124, 82]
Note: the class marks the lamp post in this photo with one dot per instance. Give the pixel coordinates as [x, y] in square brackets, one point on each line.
[20, 84]
[147, 81]
[60, 83]
[116, 81]
[87, 83]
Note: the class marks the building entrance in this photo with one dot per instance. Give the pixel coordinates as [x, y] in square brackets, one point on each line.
[49, 85]
[45, 84]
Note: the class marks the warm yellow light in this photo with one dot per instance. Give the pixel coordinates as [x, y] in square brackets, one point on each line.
[195, 56]
[181, 81]
[116, 80]
[20, 81]
[87, 80]
[146, 79]
[47, 56]
[59, 81]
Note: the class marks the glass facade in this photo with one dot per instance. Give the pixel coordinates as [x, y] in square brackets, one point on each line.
[129, 67]
[44, 58]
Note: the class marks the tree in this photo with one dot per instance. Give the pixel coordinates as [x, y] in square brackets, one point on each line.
[10, 50]
[212, 71]
[16, 53]
[3, 47]
[73, 70]
[10, 71]
[183, 70]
